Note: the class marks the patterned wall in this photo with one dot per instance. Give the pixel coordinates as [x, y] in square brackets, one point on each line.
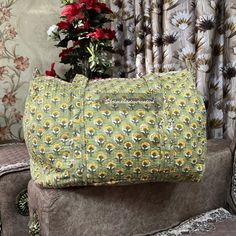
[23, 46]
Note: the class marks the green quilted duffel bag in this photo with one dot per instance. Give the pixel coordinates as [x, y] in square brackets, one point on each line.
[115, 131]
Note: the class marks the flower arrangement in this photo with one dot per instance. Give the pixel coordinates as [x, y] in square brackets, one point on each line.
[85, 41]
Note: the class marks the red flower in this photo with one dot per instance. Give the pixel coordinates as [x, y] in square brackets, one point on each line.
[76, 43]
[86, 25]
[65, 52]
[72, 11]
[88, 4]
[103, 7]
[51, 72]
[64, 25]
[9, 99]
[94, 4]
[103, 34]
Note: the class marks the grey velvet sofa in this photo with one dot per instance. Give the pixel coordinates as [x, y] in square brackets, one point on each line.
[127, 210]
[132, 210]
[14, 177]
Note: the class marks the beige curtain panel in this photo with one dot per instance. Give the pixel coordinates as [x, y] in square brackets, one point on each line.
[160, 35]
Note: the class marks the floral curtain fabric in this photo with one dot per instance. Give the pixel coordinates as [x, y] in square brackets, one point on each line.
[160, 35]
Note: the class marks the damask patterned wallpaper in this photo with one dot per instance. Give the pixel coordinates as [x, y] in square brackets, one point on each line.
[23, 46]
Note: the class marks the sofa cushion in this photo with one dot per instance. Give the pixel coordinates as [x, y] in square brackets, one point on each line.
[225, 227]
[128, 210]
[216, 222]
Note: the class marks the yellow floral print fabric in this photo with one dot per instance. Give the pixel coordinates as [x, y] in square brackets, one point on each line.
[75, 139]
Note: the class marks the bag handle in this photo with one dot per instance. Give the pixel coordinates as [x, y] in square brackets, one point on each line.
[80, 81]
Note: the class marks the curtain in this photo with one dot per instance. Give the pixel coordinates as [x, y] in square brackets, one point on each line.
[160, 35]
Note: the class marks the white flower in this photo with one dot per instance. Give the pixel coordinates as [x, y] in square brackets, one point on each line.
[170, 37]
[206, 22]
[52, 31]
[187, 53]
[203, 62]
[230, 26]
[181, 19]
[229, 70]
[230, 109]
